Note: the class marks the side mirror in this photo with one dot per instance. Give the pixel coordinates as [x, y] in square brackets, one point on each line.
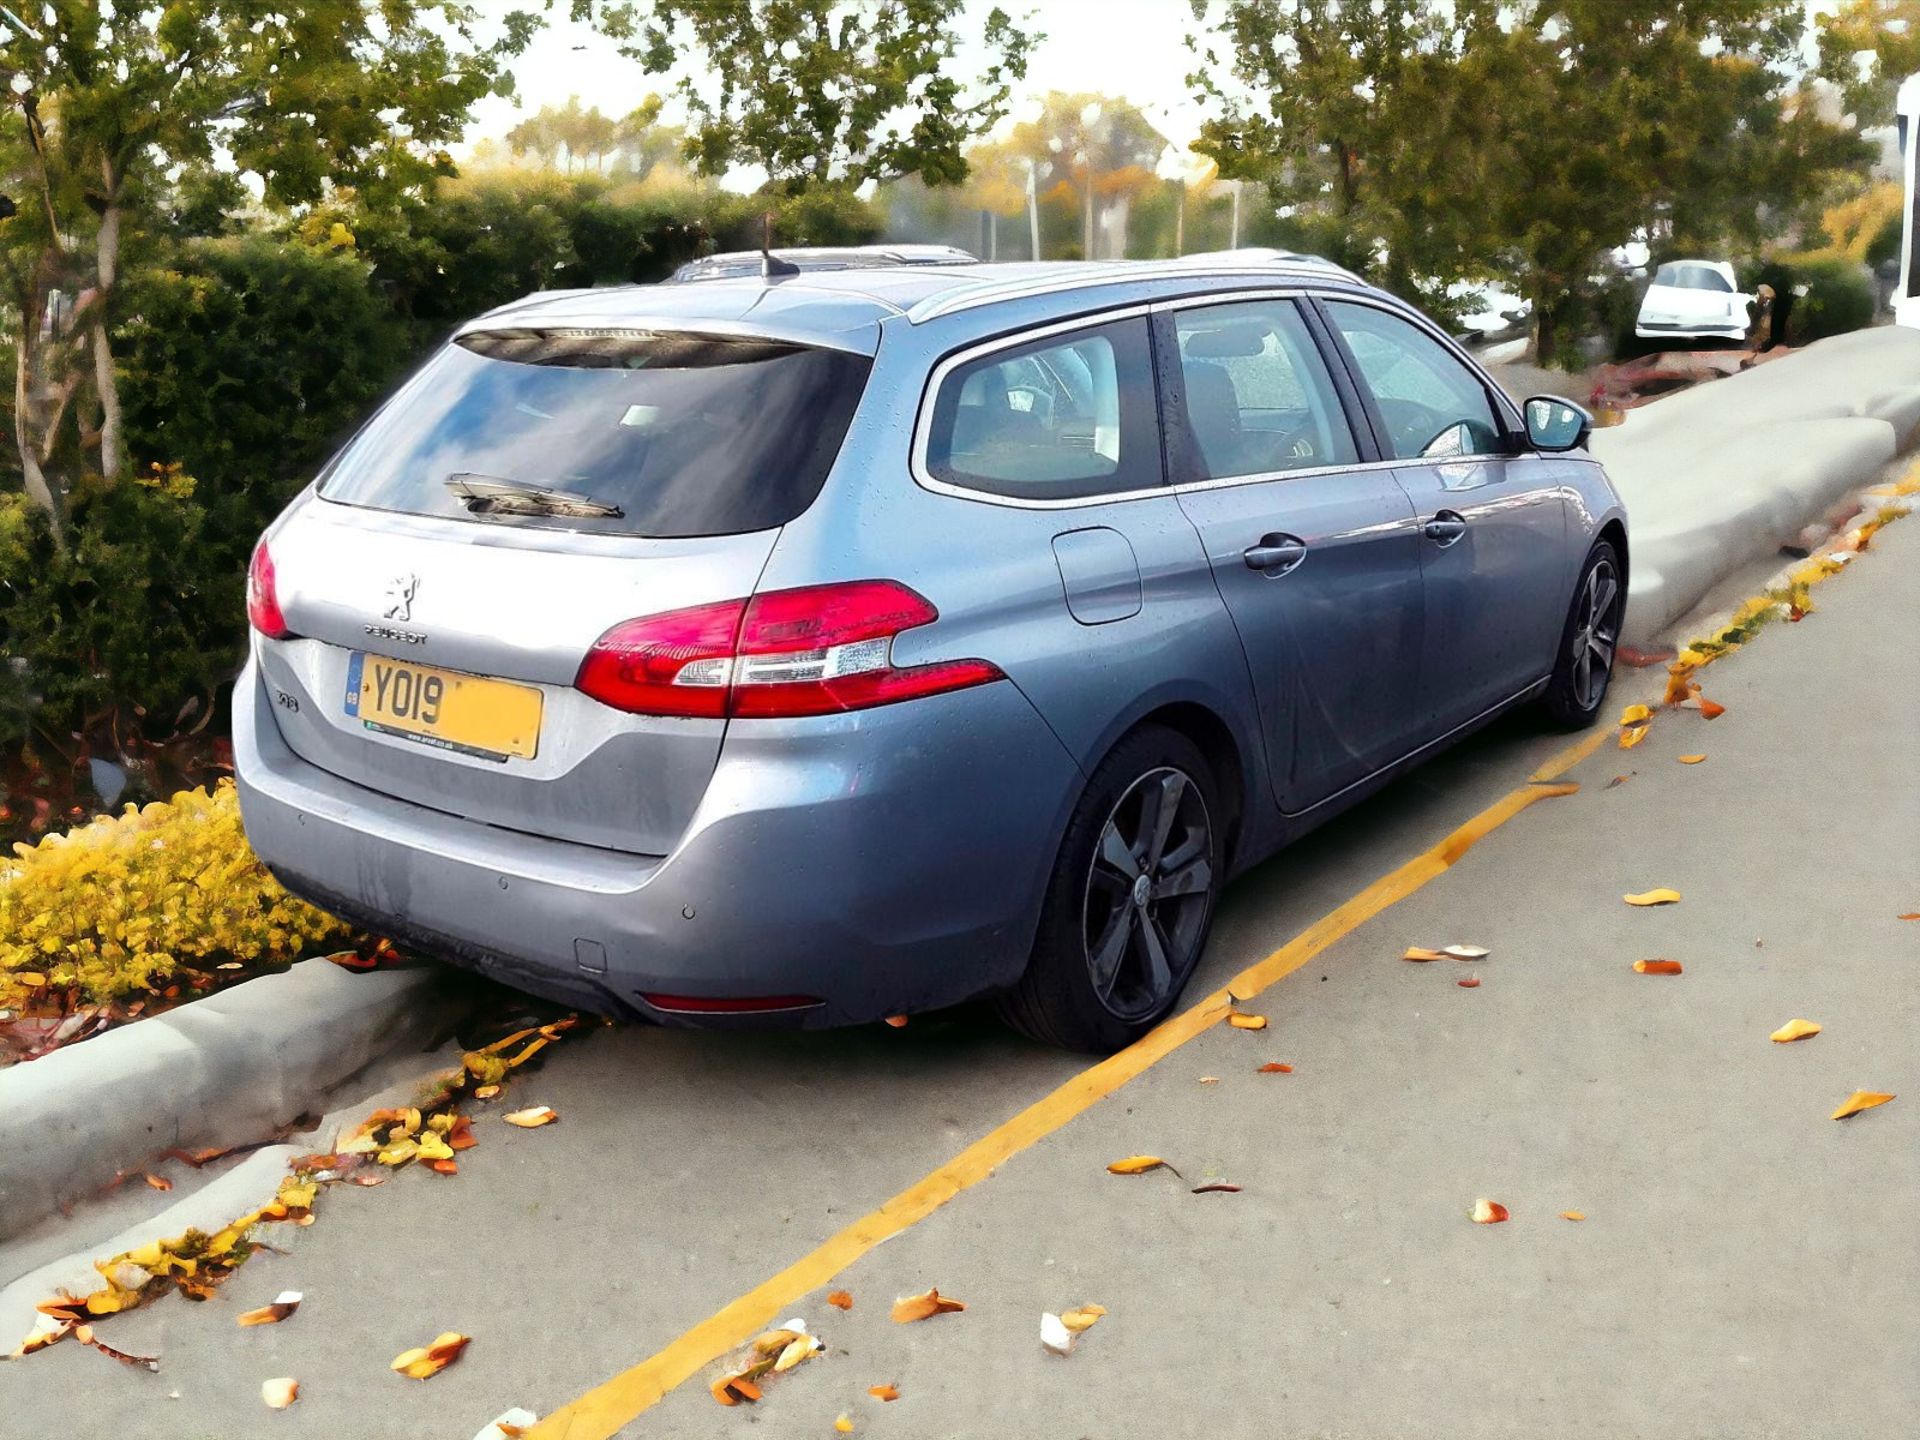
[1554, 424]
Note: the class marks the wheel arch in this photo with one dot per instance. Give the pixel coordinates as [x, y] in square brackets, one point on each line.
[1215, 739]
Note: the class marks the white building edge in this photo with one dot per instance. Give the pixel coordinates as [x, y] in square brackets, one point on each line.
[1906, 299]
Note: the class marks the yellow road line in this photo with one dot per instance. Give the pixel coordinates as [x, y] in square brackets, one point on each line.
[603, 1410]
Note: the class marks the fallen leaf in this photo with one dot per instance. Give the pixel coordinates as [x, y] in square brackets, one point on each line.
[1690, 759]
[898, 1022]
[486, 1092]
[430, 1360]
[732, 1389]
[1138, 1165]
[884, 1392]
[284, 1304]
[1654, 897]
[840, 1300]
[1420, 955]
[1241, 1021]
[279, 1394]
[32, 979]
[531, 1118]
[1912, 915]
[844, 1424]
[1465, 952]
[1274, 1067]
[1709, 710]
[1860, 1100]
[1616, 780]
[1635, 715]
[159, 1182]
[508, 1425]
[1631, 738]
[1055, 1335]
[231, 965]
[769, 1344]
[1217, 1187]
[910, 1308]
[1081, 1317]
[460, 1134]
[1470, 983]
[1488, 1212]
[1573, 1215]
[797, 1350]
[1794, 1030]
[447, 1166]
[1656, 967]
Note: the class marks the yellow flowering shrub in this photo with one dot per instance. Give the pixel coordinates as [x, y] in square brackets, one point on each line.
[110, 909]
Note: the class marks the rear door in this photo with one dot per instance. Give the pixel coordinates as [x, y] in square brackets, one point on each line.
[1492, 538]
[437, 636]
[1315, 553]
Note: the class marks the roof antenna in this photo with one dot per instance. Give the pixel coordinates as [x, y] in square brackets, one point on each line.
[772, 267]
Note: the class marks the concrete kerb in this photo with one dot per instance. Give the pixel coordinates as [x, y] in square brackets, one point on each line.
[1716, 477]
[222, 1071]
[246, 1187]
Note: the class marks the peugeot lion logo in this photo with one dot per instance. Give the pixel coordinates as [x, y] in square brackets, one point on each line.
[400, 592]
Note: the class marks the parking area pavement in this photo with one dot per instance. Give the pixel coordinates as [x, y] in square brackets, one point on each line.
[1747, 1266]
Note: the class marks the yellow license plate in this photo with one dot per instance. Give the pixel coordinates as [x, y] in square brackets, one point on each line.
[476, 716]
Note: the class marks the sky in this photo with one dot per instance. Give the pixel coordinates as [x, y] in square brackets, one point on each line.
[1135, 49]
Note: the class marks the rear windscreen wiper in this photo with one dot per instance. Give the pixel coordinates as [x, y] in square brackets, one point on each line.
[490, 495]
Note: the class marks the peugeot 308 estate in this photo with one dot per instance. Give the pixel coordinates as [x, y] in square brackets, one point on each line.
[817, 647]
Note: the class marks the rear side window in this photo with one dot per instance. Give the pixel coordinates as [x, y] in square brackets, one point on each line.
[1072, 416]
[659, 434]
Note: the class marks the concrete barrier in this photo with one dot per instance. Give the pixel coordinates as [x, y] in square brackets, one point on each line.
[1726, 473]
[226, 1070]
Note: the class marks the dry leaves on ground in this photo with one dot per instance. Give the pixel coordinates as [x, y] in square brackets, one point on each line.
[425, 1361]
[774, 1352]
[532, 1118]
[1690, 759]
[1488, 1212]
[1661, 896]
[1138, 1165]
[840, 1300]
[1240, 1020]
[1274, 1067]
[888, 1392]
[1573, 1215]
[1858, 1101]
[909, 1308]
[280, 1393]
[1472, 982]
[283, 1305]
[1794, 1030]
[1657, 967]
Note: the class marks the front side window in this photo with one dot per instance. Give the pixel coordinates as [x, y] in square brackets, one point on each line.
[1258, 399]
[1433, 405]
[620, 432]
[1071, 416]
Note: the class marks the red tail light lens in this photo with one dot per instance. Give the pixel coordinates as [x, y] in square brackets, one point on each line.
[263, 599]
[817, 650]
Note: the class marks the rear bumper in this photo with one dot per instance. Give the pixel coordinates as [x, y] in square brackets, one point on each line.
[883, 862]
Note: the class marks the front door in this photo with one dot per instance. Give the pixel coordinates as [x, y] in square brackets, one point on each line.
[1493, 542]
[1316, 555]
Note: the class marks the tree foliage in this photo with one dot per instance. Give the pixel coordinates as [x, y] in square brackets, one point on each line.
[822, 91]
[1867, 47]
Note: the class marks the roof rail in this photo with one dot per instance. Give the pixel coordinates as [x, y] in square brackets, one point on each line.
[1080, 275]
[732, 264]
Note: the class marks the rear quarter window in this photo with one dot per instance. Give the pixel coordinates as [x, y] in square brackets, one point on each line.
[682, 435]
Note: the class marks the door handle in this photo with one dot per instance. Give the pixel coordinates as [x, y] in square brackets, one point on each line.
[1275, 554]
[1445, 528]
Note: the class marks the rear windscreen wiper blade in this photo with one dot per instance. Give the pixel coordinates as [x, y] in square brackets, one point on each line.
[489, 495]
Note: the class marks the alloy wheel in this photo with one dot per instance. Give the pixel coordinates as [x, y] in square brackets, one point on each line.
[1596, 634]
[1149, 890]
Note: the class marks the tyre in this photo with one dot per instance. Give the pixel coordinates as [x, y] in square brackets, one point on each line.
[1584, 667]
[1130, 899]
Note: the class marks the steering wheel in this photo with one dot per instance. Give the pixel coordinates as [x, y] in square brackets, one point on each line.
[1412, 426]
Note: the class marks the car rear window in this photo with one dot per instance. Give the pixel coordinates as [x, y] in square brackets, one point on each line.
[1681, 276]
[681, 434]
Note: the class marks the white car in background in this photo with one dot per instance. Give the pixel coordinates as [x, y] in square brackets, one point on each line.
[1694, 300]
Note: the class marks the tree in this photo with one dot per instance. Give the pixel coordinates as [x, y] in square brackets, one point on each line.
[1093, 152]
[1867, 47]
[107, 100]
[563, 136]
[820, 92]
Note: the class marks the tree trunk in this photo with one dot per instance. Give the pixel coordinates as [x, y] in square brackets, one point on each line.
[113, 459]
[24, 412]
[1545, 343]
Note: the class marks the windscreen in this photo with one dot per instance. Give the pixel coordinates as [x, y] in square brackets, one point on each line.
[623, 432]
[1681, 276]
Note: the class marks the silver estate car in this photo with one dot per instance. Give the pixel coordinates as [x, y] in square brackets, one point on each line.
[813, 648]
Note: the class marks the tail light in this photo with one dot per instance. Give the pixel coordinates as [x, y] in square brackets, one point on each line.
[817, 650]
[263, 599]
